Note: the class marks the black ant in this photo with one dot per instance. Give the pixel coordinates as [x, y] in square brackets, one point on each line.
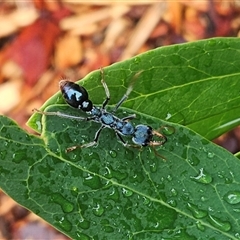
[77, 97]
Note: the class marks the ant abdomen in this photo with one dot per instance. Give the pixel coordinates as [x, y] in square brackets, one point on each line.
[75, 95]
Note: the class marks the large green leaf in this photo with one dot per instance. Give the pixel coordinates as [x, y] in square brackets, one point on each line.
[194, 84]
[113, 192]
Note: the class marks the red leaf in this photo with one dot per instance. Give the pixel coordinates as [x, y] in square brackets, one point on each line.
[32, 49]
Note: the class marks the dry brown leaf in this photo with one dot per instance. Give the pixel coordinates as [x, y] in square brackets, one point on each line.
[144, 28]
[68, 51]
[19, 18]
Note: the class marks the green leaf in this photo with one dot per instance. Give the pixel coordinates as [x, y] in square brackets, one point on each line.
[194, 84]
[110, 191]
[113, 192]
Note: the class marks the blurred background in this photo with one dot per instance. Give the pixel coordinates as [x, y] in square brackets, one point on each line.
[44, 41]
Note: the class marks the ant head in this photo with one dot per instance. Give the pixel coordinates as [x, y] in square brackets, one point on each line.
[142, 135]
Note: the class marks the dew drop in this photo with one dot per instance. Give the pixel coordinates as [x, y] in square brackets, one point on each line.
[4, 130]
[82, 236]
[223, 226]
[127, 192]
[169, 177]
[228, 180]
[174, 192]
[200, 226]
[232, 197]
[114, 195]
[75, 157]
[208, 59]
[212, 42]
[172, 203]
[210, 155]
[108, 229]
[98, 210]
[194, 161]
[237, 235]
[65, 224]
[203, 199]
[107, 172]
[39, 126]
[4, 171]
[168, 130]
[153, 167]
[63, 202]
[19, 156]
[113, 153]
[3, 154]
[169, 115]
[203, 177]
[6, 143]
[84, 224]
[93, 156]
[74, 191]
[92, 181]
[137, 60]
[220, 174]
[146, 201]
[196, 212]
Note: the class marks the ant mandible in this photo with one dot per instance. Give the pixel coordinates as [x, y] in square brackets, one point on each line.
[77, 97]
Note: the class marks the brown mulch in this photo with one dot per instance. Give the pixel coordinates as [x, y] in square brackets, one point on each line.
[44, 41]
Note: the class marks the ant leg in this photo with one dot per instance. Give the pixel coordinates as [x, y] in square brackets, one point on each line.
[129, 117]
[94, 142]
[156, 133]
[125, 96]
[129, 90]
[106, 90]
[125, 144]
[63, 115]
[153, 144]
[121, 139]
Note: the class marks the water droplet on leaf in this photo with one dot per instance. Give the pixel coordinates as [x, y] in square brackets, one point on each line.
[65, 224]
[84, 224]
[172, 203]
[127, 192]
[98, 210]
[92, 181]
[174, 192]
[63, 202]
[194, 161]
[113, 153]
[232, 197]
[153, 167]
[197, 213]
[210, 154]
[19, 156]
[83, 236]
[203, 177]
[3, 154]
[114, 194]
[169, 115]
[39, 126]
[168, 130]
[223, 226]
[200, 226]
